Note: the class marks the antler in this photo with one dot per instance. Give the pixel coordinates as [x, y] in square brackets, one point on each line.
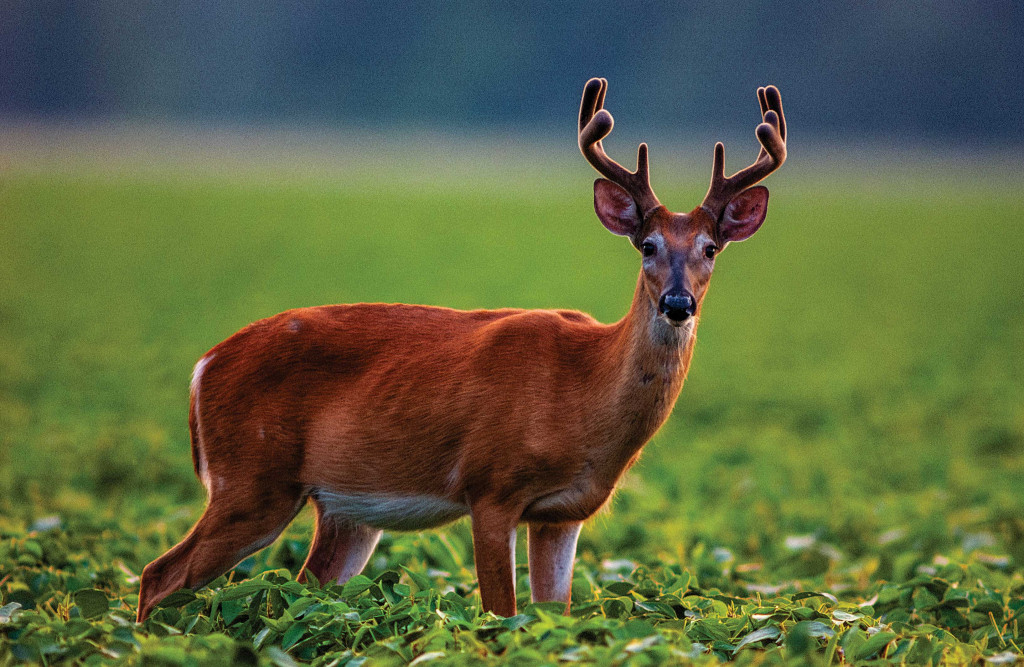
[596, 124]
[772, 135]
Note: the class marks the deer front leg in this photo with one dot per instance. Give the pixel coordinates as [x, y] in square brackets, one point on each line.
[552, 552]
[494, 550]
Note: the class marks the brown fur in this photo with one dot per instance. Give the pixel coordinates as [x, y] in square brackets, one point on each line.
[540, 412]
[516, 415]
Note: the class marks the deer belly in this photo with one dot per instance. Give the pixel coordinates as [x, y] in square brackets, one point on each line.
[575, 503]
[389, 511]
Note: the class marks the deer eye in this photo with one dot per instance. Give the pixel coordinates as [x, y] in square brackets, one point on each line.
[710, 251]
[648, 248]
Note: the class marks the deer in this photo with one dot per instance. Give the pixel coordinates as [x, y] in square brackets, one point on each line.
[407, 417]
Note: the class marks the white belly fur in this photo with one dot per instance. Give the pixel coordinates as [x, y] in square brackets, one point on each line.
[391, 512]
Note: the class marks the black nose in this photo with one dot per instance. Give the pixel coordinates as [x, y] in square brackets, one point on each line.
[677, 307]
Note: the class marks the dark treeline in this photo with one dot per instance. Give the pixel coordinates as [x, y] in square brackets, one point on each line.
[922, 71]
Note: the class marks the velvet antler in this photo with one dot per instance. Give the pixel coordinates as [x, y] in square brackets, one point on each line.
[771, 133]
[596, 124]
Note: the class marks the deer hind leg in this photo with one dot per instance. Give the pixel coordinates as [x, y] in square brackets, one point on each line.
[552, 549]
[340, 550]
[234, 526]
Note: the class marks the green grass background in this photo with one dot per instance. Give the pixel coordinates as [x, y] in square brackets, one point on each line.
[858, 375]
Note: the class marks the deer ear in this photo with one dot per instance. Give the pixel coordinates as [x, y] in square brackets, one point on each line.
[744, 214]
[616, 208]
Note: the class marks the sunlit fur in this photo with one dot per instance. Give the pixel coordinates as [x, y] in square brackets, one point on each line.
[405, 417]
[197, 431]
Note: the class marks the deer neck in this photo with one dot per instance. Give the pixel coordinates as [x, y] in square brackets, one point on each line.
[653, 360]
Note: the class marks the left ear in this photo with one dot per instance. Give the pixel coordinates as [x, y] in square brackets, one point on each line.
[744, 214]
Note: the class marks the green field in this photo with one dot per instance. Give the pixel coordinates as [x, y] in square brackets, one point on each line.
[842, 477]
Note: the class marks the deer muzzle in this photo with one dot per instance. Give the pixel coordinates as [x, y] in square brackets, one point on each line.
[677, 306]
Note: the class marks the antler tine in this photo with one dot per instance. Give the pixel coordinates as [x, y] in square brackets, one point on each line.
[771, 100]
[774, 100]
[771, 134]
[595, 124]
[591, 91]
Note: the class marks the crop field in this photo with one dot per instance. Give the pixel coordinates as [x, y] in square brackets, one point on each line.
[842, 479]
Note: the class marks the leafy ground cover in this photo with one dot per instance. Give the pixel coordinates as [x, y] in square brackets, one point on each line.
[841, 479]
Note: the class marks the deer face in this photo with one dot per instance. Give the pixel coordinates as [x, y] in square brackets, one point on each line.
[678, 249]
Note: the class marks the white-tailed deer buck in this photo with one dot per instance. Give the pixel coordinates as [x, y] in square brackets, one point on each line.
[389, 416]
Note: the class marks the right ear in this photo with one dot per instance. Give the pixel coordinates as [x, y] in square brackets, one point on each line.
[616, 208]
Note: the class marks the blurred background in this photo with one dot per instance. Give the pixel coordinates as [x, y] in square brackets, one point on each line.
[940, 72]
[170, 172]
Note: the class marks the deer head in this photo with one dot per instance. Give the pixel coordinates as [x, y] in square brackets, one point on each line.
[679, 249]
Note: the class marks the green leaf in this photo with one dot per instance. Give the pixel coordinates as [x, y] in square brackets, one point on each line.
[637, 629]
[656, 607]
[178, 598]
[830, 649]
[617, 607]
[924, 599]
[244, 589]
[804, 613]
[818, 629]
[888, 595]
[279, 625]
[418, 579]
[989, 605]
[91, 602]
[518, 621]
[302, 604]
[620, 587]
[356, 585]
[32, 547]
[293, 635]
[705, 630]
[680, 583]
[813, 594]
[874, 644]
[261, 637]
[8, 611]
[951, 618]
[760, 635]
[798, 639]
[280, 658]
[230, 610]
